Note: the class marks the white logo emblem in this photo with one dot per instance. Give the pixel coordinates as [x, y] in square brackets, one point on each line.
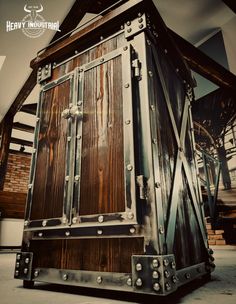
[33, 24]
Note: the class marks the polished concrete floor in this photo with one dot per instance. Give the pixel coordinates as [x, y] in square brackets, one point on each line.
[221, 289]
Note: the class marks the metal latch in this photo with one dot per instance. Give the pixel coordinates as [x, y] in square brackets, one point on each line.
[136, 65]
[142, 183]
[72, 112]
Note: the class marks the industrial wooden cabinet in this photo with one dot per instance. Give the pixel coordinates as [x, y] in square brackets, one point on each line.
[113, 198]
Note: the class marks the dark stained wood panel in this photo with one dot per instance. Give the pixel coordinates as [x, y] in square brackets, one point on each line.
[112, 255]
[50, 165]
[102, 163]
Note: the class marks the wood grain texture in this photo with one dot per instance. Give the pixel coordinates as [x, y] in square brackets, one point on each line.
[102, 163]
[87, 254]
[50, 165]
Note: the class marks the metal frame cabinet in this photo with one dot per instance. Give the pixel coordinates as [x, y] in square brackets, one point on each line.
[114, 199]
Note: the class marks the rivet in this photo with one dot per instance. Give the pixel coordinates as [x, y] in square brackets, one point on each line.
[40, 234]
[126, 85]
[67, 233]
[54, 64]
[102, 59]
[80, 103]
[168, 286]
[37, 119]
[155, 263]
[44, 223]
[46, 72]
[36, 273]
[177, 70]
[139, 282]
[166, 273]
[65, 277]
[140, 26]
[132, 230]
[76, 52]
[156, 286]
[39, 73]
[17, 264]
[34, 151]
[140, 14]
[46, 67]
[99, 232]
[130, 215]
[127, 122]
[129, 282]
[157, 185]
[155, 275]
[25, 270]
[125, 48]
[184, 81]
[140, 20]
[78, 137]
[99, 279]
[165, 51]
[101, 38]
[122, 27]
[81, 70]
[152, 107]
[77, 177]
[18, 257]
[129, 30]
[69, 138]
[173, 265]
[150, 73]
[74, 220]
[148, 42]
[161, 229]
[154, 141]
[100, 218]
[129, 167]
[165, 262]
[187, 276]
[27, 261]
[30, 186]
[16, 272]
[64, 220]
[67, 178]
[128, 22]
[174, 279]
[26, 223]
[138, 267]
[40, 68]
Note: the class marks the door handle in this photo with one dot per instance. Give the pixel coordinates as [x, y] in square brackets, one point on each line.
[72, 112]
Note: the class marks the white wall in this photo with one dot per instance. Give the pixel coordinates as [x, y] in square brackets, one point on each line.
[11, 231]
[229, 34]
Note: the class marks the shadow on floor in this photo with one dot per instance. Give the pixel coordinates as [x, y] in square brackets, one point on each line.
[174, 298]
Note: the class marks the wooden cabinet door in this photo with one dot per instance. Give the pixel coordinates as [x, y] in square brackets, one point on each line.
[49, 195]
[104, 188]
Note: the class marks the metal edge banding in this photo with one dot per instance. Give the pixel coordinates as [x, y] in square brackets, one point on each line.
[88, 49]
[111, 231]
[104, 280]
[68, 181]
[155, 148]
[151, 225]
[188, 274]
[79, 128]
[129, 162]
[58, 81]
[33, 159]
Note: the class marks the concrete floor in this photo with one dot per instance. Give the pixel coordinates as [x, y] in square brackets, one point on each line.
[220, 290]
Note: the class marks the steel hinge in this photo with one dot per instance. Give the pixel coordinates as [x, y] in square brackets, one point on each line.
[142, 184]
[136, 65]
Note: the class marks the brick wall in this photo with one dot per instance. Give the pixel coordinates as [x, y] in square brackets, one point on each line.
[17, 176]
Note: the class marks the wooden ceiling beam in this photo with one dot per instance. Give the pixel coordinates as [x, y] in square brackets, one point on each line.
[231, 4]
[21, 142]
[204, 65]
[23, 127]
